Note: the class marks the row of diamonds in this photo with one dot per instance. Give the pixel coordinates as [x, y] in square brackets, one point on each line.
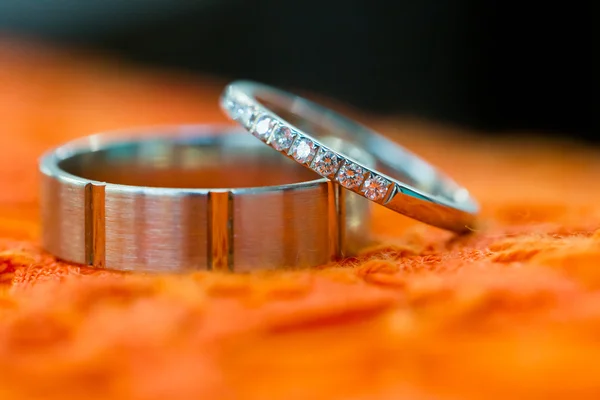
[358, 179]
[323, 161]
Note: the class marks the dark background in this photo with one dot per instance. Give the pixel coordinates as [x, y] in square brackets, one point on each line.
[497, 66]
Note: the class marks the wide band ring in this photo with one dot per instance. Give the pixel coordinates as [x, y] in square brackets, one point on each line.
[191, 198]
[342, 150]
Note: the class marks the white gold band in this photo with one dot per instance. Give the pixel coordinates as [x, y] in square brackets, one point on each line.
[350, 154]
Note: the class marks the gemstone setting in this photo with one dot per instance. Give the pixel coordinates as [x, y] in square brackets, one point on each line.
[375, 187]
[263, 127]
[303, 150]
[326, 162]
[282, 138]
[351, 176]
[239, 112]
[249, 117]
[236, 109]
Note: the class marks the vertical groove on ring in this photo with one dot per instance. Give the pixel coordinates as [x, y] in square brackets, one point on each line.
[337, 220]
[220, 231]
[95, 224]
[289, 233]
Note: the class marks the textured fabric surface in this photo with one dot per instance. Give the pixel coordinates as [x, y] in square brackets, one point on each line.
[510, 310]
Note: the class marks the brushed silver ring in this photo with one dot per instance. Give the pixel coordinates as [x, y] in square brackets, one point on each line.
[186, 198]
[359, 159]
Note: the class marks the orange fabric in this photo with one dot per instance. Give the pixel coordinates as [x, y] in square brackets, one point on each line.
[511, 310]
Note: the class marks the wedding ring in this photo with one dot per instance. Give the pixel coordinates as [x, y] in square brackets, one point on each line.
[350, 154]
[191, 198]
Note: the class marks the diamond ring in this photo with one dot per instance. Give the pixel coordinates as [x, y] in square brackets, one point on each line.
[190, 198]
[350, 154]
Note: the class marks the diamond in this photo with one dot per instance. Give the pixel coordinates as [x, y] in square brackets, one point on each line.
[231, 106]
[282, 138]
[248, 116]
[234, 109]
[303, 150]
[326, 163]
[238, 112]
[262, 127]
[350, 175]
[375, 187]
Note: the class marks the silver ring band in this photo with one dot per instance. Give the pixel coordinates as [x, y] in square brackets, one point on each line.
[344, 151]
[191, 198]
